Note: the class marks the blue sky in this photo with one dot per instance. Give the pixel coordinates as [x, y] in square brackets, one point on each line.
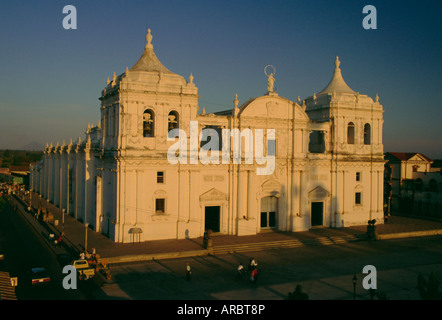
[51, 78]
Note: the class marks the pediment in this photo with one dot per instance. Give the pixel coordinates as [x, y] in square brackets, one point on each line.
[160, 193]
[213, 195]
[417, 157]
[271, 185]
[318, 193]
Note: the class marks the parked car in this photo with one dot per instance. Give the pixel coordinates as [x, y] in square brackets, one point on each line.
[39, 275]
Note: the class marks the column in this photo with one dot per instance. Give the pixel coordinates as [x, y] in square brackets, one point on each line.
[296, 213]
[56, 186]
[251, 195]
[51, 177]
[240, 206]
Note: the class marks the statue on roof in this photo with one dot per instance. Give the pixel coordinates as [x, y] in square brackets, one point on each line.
[270, 78]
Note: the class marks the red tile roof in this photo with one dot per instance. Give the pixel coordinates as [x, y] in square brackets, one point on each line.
[404, 156]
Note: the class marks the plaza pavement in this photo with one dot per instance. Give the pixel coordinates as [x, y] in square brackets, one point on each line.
[74, 239]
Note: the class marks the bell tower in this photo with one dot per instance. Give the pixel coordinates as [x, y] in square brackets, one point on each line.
[356, 119]
[354, 147]
[141, 105]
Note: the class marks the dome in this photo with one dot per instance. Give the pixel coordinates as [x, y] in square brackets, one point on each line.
[149, 61]
[337, 83]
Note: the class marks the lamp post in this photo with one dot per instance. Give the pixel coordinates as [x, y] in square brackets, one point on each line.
[62, 222]
[85, 236]
[354, 287]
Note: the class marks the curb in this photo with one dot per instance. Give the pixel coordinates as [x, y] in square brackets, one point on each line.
[156, 256]
[38, 227]
[48, 227]
[410, 234]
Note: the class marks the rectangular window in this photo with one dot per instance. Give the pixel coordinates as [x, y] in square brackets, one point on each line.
[358, 198]
[160, 206]
[358, 176]
[160, 177]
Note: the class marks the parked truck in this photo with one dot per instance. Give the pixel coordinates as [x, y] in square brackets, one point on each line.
[84, 270]
[87, 268]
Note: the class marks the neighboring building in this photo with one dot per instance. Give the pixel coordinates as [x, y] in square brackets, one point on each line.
[416, 186]
[399, 169]
[15, 175]
[321, 162]
[5, 175]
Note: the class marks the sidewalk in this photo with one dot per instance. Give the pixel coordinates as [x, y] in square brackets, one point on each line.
[74, 240]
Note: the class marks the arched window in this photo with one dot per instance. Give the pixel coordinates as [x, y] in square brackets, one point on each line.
[173, 120]
[148, 123]
[351, 133]
[367, 134]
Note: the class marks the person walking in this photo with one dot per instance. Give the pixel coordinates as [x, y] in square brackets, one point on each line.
[240, 271]
[188, 271]
[253, 276]
[253, 264]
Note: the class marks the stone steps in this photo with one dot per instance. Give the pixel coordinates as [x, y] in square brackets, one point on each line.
[259, 246]
[7, 291]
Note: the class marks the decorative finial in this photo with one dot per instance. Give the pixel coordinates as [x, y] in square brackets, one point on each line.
[108, 81]
[203, 112]
[149, 38]
[191, 78]
[235, 101]
[127, 71]
[337, 62]
[377, 98]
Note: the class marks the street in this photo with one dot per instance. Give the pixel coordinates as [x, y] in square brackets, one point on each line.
[24, 249]
[325, 272]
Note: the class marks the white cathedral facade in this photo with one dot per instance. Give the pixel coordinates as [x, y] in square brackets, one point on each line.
[324, 155]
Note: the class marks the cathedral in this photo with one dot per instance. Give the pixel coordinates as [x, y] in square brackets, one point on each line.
[157, 167]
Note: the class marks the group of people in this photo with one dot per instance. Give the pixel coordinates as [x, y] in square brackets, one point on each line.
[55, 241]
[252, 270]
